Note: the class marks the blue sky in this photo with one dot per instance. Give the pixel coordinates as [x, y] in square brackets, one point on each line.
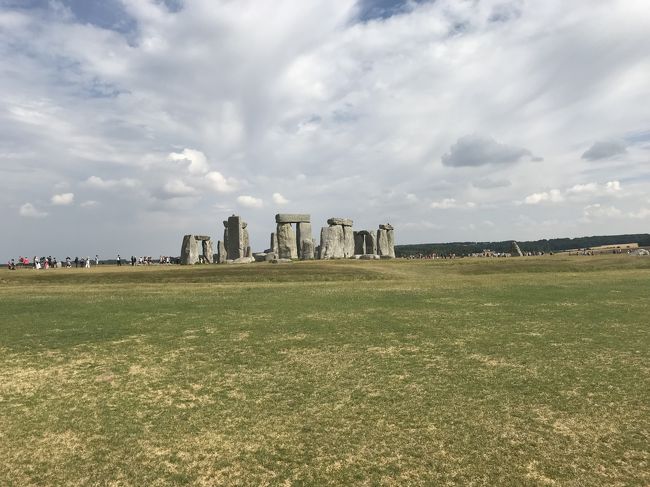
[125, 124]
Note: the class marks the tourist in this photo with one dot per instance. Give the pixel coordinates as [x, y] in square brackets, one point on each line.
[119, 260]
[76, 262]
[96, 259]
[68, 262]
[87, 262]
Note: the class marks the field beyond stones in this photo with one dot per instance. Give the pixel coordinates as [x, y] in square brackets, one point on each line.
[531, 371]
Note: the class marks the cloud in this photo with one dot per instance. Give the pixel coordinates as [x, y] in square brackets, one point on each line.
[605, 150]
[448, 203]
[487, 183]
[475, 150]
[196, 161]
[63, 199]
[177, 188]
[89, 204]
[280, 200]
[599, 211]
[250, 201]
[99, 183]
[217, 182]
[29, 211]
[552, 196]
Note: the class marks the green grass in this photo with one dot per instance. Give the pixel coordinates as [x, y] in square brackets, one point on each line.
[531, 371]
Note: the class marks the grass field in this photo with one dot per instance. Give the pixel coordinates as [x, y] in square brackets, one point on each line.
[531, 371]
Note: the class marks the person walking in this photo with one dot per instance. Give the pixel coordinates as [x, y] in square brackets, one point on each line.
[96, 259]
[119, 260]
[76, 262]
[87, 262]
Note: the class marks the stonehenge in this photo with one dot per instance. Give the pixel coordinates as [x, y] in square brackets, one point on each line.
[290, 244]
[196, 249]
[337, 240]
[291, 240]
[235, 246]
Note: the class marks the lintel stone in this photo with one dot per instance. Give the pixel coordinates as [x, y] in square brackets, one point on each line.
[292, 218]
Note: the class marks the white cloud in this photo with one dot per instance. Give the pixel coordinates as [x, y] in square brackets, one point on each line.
[552, 196]
[280, 200]
[196, 161]
[448, 203]
[250, 201]
[177, 188]
[89, 204]
[99, 183]
[613, 186]
[29, 211]
[63, 199]
[597, 210]
[217, 182]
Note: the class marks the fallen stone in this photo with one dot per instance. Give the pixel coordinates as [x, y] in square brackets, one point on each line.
[281, 261]
[259, 256]
[271, 256]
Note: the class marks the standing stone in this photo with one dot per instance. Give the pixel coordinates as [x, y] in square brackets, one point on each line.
[235, 245]
[515, 251]
[286, 241]
[382, 242]
[221, 253]
[359, 243]
[274, 243]
[348, 242]
[303, 235]
[189, 250]
[307, 250]
[207, 251]
[331, 242]
[225, 236]
[371, 243]
[245, 239]
[391, 243]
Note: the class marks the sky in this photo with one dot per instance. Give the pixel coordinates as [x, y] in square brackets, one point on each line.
[126, 124]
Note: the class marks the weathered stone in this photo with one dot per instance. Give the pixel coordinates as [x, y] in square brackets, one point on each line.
[382, 242]
[303, 236]
[359, 244]
[331, 242]
[195, 249]
[292, 218]
[286, 241]
[242, 260]
[391, 242]
[274, 242]
[346, 222]
[271, 256]
[386, 226]
[307, 250]
[245, 240]
[367, 257]
[235, 245]
[370, 242]
[207, 250]
[221, 253]
[348, 242]
[281, 261]
[515, 251]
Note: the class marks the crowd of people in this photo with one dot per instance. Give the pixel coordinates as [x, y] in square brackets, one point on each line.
[50, 262]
